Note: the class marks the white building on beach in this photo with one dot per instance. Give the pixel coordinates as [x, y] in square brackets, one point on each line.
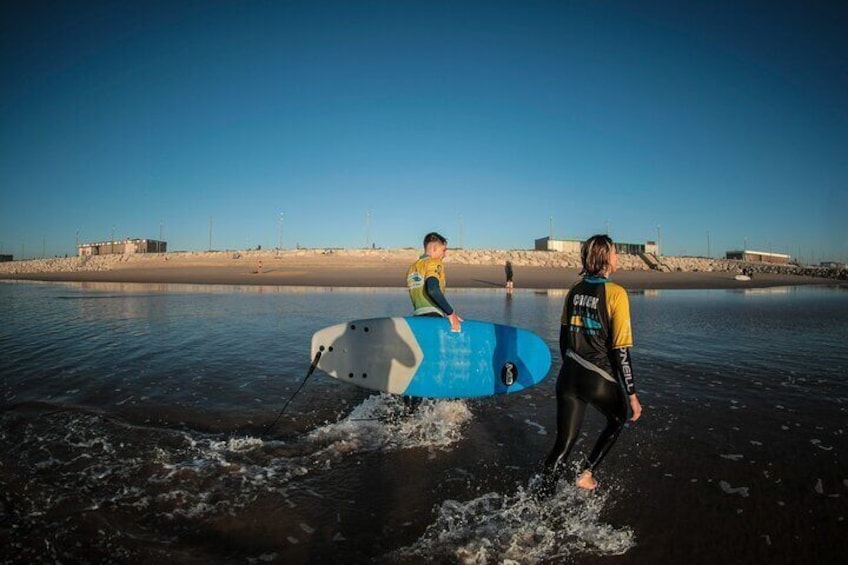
[124, 247]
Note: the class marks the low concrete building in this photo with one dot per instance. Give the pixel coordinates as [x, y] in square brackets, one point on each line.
[125, 247]
[5, 258]
[759, 257]
[573, 246]
[562, 245]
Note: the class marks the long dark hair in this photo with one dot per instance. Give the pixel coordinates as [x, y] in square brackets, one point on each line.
[595, 254]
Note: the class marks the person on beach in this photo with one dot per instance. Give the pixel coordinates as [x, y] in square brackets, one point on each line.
[595, 341]
[508, 272]
[425, 280]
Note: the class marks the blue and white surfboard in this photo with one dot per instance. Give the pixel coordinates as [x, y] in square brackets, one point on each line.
[421, 356]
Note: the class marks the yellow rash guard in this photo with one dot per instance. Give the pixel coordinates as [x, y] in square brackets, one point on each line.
[427, 300]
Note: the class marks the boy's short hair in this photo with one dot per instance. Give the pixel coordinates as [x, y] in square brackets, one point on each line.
[434, 237]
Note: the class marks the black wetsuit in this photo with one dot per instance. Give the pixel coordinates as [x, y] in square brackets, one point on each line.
[595, 342]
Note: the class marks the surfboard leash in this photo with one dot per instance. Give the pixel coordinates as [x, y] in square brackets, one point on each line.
[286, 405]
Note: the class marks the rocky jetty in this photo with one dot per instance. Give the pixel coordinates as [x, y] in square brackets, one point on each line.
[490, 257]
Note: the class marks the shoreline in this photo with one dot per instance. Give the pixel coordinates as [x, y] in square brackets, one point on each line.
[387, 269]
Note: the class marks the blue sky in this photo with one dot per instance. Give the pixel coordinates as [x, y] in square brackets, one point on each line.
[724, 124]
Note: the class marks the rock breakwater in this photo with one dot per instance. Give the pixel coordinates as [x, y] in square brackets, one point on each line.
[369, 257]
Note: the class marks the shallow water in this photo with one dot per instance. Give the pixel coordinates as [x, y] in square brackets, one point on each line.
[133, 417]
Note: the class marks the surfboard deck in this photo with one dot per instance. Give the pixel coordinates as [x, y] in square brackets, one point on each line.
[421, 356]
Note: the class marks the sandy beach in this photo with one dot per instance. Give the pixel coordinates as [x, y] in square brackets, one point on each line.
[387, 268]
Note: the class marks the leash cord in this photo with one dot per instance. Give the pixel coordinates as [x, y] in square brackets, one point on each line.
[286, 405]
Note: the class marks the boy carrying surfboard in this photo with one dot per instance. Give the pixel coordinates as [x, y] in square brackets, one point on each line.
[425, 280]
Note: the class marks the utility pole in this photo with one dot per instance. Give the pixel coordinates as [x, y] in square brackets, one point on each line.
[461, 246]
[551, 229]
[210, 233]
[159, 244]
[659, 238]
[281, 234]
[367, 229]
[708, 244]
[43, 241]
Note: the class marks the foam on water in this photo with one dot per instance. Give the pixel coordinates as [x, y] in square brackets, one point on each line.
[192, 475]
[381, 422]
[520, 528]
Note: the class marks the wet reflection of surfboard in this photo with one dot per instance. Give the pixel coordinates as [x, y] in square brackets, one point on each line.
[421, 356]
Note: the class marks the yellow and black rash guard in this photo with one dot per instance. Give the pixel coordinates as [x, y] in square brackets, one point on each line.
[426, 282]
[596, 329]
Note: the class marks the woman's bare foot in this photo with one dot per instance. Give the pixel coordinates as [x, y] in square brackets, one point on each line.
[587, 481]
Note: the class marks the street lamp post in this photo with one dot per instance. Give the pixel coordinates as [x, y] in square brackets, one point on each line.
[280, 248]
[368, 229]
[659, 244]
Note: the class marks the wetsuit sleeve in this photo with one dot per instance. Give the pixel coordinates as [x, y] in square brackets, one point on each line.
[624, 368]
[618, 307]
[434, 293]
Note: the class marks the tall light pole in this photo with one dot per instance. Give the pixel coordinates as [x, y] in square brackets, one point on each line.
[368, 228]
[210, 233]
[708, 244]
[659, 240]
[159, 243]
[281, 232]
[112, 241]
[43, 245]
[461, 245]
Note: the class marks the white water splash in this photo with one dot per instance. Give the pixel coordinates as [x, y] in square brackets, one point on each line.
[237, 444]
[381, 422]
[521, 528]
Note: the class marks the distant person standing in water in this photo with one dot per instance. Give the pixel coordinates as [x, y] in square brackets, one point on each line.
[508, 272]
[425, 280]
[595, 340]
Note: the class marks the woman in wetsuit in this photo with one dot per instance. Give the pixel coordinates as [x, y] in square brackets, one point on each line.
[595, 341]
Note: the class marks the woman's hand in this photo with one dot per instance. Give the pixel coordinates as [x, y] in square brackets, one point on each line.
[636, 407]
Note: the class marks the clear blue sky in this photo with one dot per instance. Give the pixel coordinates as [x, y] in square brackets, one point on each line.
[720, 122]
